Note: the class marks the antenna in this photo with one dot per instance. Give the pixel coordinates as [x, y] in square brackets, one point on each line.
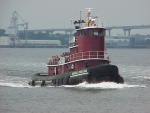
[80, 17]
[89, 9]
[70, 30]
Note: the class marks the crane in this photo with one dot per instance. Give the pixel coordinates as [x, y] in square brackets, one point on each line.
[12, 30]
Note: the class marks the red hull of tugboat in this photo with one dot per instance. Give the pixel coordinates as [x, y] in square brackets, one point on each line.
[86, 61]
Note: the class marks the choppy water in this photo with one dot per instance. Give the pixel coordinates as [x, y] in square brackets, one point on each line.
[18, 65]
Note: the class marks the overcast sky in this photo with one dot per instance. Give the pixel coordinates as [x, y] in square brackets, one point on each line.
[43, 14]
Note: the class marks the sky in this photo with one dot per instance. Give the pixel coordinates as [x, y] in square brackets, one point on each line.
[47, 14]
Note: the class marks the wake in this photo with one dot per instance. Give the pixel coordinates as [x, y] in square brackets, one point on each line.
[13, 81]
[84, 85]
[9, 84]
[104, 85]
[23, 83]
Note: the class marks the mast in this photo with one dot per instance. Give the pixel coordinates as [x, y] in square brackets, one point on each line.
[80, 18]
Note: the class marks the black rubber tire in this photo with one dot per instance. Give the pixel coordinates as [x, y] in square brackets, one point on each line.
[33, 83]
[57, 82]
[43, 83]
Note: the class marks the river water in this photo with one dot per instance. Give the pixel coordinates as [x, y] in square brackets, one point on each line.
[17, 65]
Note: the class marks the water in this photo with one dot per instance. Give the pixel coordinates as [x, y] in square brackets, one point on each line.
[18, 65]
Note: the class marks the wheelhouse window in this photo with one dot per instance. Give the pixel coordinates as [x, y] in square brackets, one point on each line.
[101, 33]
[82, 32]
[79, 33]
[91, 32]
[85, 32]
[96, 33]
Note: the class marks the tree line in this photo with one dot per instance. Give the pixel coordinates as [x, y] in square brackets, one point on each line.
[45, 36]
[2, 32]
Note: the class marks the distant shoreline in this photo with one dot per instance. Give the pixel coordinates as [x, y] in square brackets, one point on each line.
[33, 46]
[136, 47]
[66, 46]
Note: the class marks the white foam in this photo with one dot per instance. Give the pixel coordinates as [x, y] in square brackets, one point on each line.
[84, 85]
[14, 81]
[104, 85]
[14, 84]
[143, 77]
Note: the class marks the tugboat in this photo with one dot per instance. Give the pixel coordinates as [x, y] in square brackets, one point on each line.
[86, 61]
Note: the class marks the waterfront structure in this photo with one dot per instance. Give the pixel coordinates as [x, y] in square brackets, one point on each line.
[117, 42]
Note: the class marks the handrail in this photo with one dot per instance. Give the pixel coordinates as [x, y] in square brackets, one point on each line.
[86, 55]
[80, 56]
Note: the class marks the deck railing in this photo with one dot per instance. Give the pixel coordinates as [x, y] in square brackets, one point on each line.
[80, 56]
[87, 55]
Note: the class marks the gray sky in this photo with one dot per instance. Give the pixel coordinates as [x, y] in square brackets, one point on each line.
[43, 14]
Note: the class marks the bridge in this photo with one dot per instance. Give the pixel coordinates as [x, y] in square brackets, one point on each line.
[127, 28]
[68, 30]
[51, 30]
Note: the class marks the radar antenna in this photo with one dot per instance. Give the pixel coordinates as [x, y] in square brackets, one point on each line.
[90, 21]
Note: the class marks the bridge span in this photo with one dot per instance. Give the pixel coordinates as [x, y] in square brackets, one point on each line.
[127, 28]
[68, 30]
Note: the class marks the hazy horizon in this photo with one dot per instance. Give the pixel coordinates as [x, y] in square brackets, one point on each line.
[44, 14]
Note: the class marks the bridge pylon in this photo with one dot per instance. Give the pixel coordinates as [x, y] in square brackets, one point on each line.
[127, 30]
